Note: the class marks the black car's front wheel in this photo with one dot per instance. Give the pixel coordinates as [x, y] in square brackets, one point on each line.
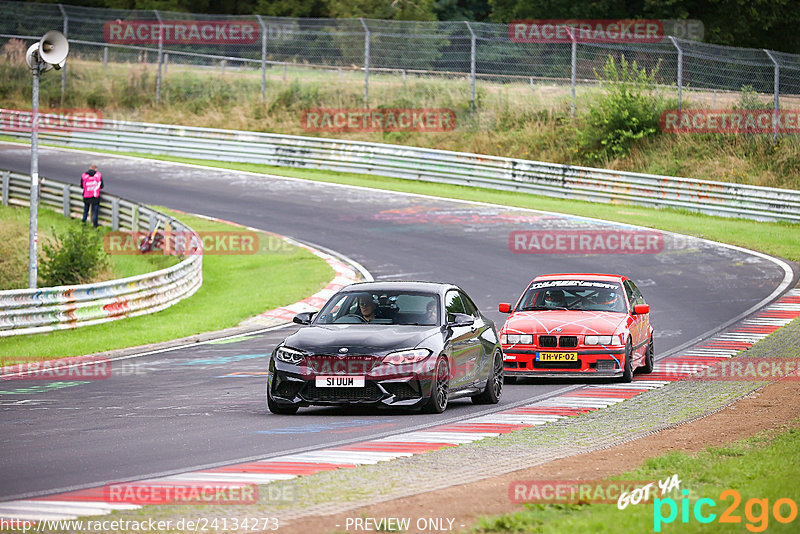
[277, 408]
[440, 388]
[494, 383]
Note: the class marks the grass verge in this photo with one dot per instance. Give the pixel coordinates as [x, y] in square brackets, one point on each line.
[756, 468]
[234, 287]
[778, 238]
[14, 248]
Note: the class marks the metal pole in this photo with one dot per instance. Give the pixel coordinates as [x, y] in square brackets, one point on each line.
[776, 84]
[366, 63]
[471, 65]
[574, 71]
[160, 55]
[33, 234]
[680, 71]
[263, 57]
[64, 68]
[105, 56]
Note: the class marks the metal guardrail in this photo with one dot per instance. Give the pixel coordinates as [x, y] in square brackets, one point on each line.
[28, 311]
[441, 166]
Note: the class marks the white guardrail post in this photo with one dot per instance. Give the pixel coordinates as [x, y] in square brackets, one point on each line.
[29, 311]
[442, 166]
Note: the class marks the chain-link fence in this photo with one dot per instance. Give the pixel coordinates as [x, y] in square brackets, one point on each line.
[386, 54]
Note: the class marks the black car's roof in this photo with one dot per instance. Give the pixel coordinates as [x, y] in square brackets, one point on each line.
[422, 287]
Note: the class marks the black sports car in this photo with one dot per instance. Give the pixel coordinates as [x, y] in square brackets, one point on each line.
[398, 344]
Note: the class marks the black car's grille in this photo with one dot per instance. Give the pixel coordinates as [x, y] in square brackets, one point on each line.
[568, 341]
[547, 341]
[401, 390]
[325, 364]
[556, 365]
[369, 392]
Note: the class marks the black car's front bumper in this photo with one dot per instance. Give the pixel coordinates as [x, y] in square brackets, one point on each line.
[292, 385]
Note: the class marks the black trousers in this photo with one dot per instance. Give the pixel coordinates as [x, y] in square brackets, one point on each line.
[94, 204]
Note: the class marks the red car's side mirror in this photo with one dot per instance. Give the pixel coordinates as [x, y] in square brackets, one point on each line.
[504, 307]
[641, 309]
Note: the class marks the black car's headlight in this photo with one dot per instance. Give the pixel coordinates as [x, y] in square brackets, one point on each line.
[285, 354]
[406, 356]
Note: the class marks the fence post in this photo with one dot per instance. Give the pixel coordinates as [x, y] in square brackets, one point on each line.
[114, 213]
[680, 71]
[166, 61]
[66, 203]
[6, 183]
[366, 62]
[263, 57]
[64, 68]
[471, 65]
[135, 218]
[160, 55]
[777, 90]
[105, 56]
[574, 71]
[222, 64]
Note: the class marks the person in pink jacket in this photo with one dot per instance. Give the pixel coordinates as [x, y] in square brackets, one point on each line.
[92, 183]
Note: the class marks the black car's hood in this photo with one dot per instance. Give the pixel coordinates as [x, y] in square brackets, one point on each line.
[358, 339]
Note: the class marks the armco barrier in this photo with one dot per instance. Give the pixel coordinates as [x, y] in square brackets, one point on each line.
[550, 179]
[27, 311]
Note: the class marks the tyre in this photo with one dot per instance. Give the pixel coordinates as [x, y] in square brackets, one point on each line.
[648, 359]
[277, 408]
[440, 389]
[494, 384]
[627, 374]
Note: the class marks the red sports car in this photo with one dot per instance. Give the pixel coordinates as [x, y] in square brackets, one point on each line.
[578, 325]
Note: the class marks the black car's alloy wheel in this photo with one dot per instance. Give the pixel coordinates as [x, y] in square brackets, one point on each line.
[440, 389]
[494, 384]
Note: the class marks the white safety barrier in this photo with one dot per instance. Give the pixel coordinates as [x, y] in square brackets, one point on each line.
[442, 166]
[28, 311]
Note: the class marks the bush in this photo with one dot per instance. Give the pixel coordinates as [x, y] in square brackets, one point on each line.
[749, 99]
[76, 257]
[627, 110]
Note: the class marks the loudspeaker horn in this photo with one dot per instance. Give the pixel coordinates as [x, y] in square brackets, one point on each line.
[53, 48]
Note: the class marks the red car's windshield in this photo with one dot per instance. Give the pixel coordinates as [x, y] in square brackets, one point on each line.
[573, 295]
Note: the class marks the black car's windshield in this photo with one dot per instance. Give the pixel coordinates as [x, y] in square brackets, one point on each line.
[573, 295]
[381, 307]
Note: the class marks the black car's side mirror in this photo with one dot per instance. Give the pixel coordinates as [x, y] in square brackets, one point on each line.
[461, 319]
[303, 318]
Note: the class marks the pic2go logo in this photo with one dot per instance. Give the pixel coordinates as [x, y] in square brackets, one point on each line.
[756, 511]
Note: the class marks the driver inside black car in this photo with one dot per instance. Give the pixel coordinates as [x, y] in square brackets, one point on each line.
[367, 307]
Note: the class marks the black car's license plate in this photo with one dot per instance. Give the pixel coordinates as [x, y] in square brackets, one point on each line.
[342, 381]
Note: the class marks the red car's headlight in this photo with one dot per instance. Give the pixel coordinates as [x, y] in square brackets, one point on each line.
[516, 339]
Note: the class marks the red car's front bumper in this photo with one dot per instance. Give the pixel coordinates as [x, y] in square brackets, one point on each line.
[525, 362]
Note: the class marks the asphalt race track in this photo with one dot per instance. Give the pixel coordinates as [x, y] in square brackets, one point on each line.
[204, 404]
